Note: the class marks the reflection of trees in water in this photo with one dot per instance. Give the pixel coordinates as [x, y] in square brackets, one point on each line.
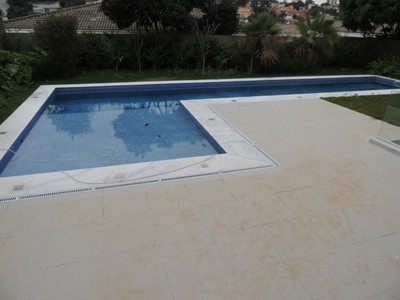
[141, 125]
[72, 122]
[152, 124]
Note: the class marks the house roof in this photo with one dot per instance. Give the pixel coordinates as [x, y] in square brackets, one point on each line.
[89, 18]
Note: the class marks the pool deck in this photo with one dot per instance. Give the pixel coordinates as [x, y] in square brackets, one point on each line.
[323, 225]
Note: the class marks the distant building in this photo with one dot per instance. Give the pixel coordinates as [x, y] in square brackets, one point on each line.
[333, 2]
[46, 7]
[244, 13]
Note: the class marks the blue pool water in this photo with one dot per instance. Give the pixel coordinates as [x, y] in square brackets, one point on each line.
[76, 134]
[89, 127]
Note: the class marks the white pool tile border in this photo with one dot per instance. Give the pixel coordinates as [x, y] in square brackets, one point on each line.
[241, 153]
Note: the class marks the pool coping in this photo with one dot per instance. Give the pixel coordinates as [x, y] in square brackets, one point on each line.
[241, 153]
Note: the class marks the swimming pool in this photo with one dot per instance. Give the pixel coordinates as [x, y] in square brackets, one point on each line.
[84, 133]
[51, 102]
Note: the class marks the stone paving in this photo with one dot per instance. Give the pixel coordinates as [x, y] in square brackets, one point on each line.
[323, 225]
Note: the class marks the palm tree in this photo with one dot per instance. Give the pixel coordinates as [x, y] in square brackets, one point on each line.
[318, 37]
[261, 40]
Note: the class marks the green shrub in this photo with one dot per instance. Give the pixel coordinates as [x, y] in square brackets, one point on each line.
[17, 69]
[116, 50]
[188, 55]
[388, 66]
[356, 52]
[93, 52]
[58, 36]
[161, 51]
[219, 57]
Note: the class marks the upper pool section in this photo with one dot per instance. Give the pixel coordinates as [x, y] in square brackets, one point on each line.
[231, 88]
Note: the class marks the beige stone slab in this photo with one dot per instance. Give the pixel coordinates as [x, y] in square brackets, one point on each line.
[18, 285]
[180, 223]
[83, 280]
[126, 235]
[75, 213]
[128, 206]
[246, 249]
[136, 275]
[75, 244]
[376, 221]
[222, 217]
[378, 269]
[26, 220]
[205, 192]
[22, 253]
[328, 276]
[391, 294]
[306, 201]
[224, 288]
[169, 197]
[271, 282]
[281, 180]
[192, 262]
[292, 239]
[267, 209]
[336, 228]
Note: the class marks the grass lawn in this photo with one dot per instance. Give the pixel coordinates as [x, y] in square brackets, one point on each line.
[374, 106]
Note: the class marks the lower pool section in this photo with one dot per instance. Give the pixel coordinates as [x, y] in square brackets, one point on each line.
[81, 134]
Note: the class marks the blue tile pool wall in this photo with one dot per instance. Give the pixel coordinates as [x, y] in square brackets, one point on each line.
[17, 143]
[388, 81]
[205, 133]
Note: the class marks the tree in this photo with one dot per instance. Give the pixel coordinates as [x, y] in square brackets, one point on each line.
[173, 14]
[260, 6]
[369, 15]
[204, 39]
[19, 8]
[261, 40]
[318, 37]
[58, 36]
[93, 50]
[115, 50]
[331, 12]
[224, 14]
[125, 13]
[308, 2]
[356, 15]
[70, 3]
[314, 11]
[241, 2]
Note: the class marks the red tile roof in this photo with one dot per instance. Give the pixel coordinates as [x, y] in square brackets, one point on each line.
[89, 18]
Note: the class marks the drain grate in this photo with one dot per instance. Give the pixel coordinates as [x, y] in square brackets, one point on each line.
[18, 187]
